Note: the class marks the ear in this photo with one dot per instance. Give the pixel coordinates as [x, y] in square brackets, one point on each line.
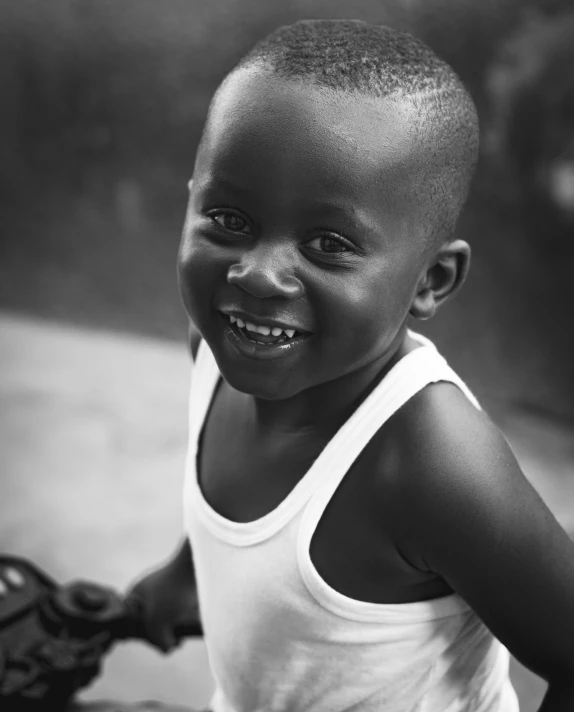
[190, 184]
[442, 278]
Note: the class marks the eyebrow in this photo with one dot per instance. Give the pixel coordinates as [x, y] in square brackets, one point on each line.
[214, 184]
[347, 213]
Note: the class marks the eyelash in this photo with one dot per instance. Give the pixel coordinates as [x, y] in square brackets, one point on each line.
[333, 255]
[218, 213]
[350, 249]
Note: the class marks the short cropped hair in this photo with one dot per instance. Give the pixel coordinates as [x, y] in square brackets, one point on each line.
[355, 57]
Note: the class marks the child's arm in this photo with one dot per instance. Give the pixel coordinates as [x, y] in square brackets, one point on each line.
[167, 599]
[479, 524]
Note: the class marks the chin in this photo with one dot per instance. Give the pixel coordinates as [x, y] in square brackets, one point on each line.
[259, 385]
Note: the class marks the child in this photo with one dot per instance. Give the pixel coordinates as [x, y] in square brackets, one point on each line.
[362, 535]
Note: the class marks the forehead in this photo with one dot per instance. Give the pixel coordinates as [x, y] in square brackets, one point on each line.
[257, 114]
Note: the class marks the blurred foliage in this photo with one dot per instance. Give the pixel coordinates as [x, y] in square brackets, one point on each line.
[103, 105]
[531, 100]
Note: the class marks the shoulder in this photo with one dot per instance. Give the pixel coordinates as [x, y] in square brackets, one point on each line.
[449, 461]
[463, 509]
[443, 435]
[439, 430]
[194, 339]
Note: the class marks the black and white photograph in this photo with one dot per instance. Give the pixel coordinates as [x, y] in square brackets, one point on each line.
[287, 356]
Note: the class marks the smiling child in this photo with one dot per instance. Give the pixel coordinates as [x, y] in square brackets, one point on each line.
[363, 538]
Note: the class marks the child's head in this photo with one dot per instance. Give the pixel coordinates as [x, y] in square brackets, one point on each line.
[335, 160]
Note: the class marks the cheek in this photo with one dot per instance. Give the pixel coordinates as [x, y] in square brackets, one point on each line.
[350, 322]
[199, 269]
[367, 315]
[355, 302]
[364, 310]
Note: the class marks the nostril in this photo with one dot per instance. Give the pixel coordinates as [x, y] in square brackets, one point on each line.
[263, 283]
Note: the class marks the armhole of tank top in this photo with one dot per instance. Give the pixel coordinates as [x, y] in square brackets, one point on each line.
[333, 600]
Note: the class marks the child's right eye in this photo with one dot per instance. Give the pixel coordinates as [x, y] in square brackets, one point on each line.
[231, 221]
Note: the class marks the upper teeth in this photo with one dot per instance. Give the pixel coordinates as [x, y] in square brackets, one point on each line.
[260, 329]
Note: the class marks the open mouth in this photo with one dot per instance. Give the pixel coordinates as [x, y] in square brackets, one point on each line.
[261, 334]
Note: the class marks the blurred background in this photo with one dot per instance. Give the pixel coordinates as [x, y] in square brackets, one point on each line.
[103, 102]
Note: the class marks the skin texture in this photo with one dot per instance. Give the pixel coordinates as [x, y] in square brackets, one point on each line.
[268, 158]
[436, 503]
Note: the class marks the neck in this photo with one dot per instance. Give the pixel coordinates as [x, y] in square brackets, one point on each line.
[327, 406]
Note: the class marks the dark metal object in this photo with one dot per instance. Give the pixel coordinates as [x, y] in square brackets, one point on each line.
[52, 637]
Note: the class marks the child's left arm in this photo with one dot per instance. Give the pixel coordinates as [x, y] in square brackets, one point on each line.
[483, 528]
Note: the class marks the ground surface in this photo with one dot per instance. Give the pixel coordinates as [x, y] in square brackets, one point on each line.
[92, 442]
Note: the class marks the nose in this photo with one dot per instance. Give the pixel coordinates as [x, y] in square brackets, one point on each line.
[266, 271]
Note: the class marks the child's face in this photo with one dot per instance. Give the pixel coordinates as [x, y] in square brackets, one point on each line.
[302, 214]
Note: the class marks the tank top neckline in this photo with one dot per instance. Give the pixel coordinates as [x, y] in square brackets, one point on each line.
[205, 379]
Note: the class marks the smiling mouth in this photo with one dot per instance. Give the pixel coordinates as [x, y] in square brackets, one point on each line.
[261, 334]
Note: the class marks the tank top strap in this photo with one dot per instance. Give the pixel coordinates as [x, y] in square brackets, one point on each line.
[410, 375]
[204, 378]
[443, 372]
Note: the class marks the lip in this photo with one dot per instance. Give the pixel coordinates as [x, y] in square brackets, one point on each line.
[263, 321]
[251, 349]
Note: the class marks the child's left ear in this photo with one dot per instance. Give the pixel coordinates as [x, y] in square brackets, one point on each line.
[442, 278]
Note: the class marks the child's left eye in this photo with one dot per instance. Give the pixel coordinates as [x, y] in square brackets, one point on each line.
[230, 221]
[328, 244]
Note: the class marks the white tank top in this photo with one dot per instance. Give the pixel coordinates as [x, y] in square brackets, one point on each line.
[280, 639]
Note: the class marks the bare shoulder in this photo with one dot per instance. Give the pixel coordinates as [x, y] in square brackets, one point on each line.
[469, 515]
[194, 338]
[443, 460]
[446, 443]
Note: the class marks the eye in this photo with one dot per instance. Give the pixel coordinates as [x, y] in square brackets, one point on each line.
[231, 221]
[329, 244]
